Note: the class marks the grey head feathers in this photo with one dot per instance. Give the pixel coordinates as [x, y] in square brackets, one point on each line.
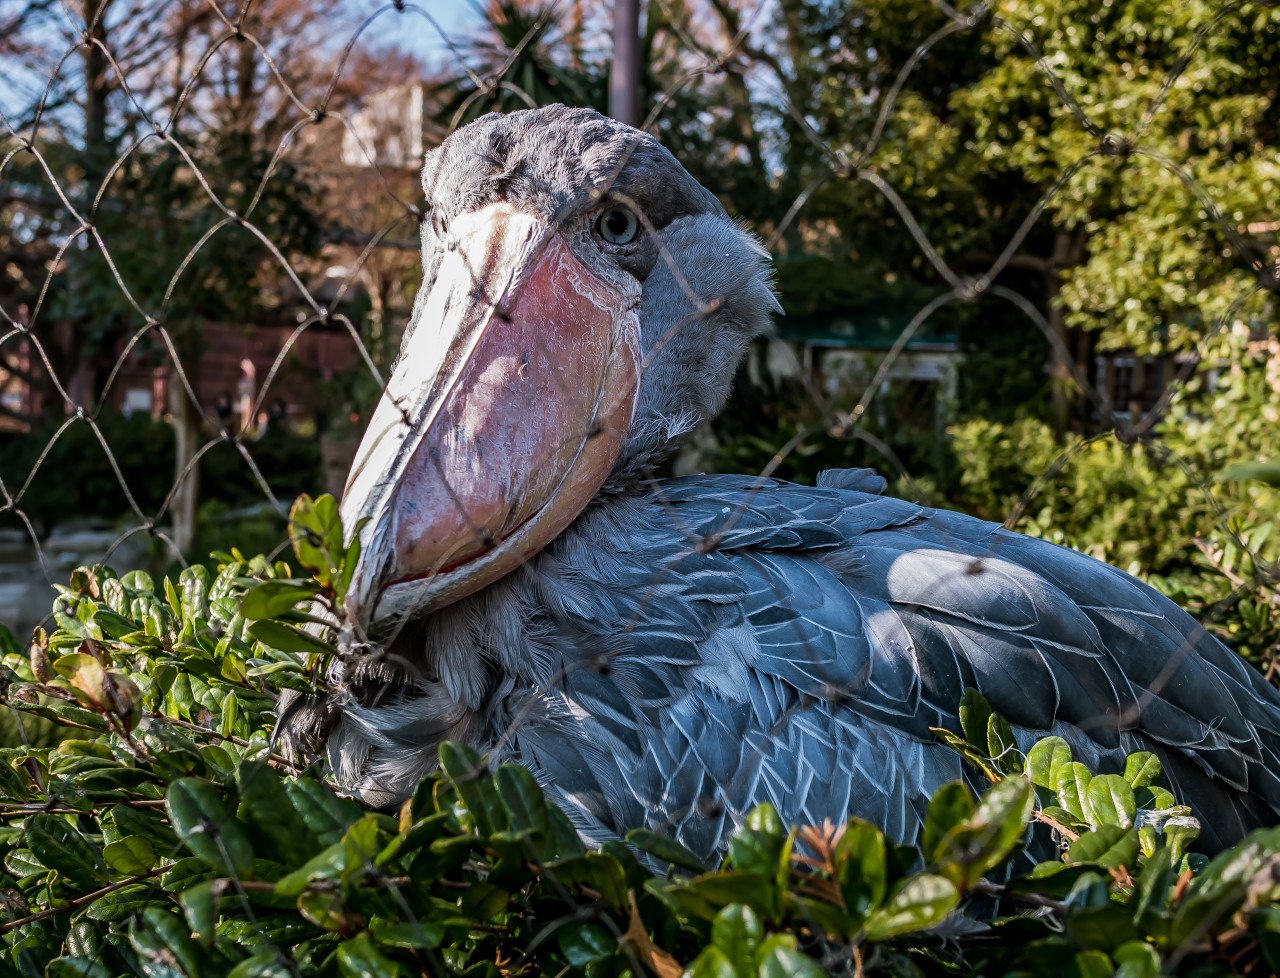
[706, 280]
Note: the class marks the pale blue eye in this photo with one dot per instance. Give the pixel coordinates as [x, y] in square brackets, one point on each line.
[618, 226]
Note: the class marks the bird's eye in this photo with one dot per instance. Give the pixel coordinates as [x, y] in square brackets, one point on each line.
[618, 226]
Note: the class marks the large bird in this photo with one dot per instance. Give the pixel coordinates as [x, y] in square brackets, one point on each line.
[670, 653]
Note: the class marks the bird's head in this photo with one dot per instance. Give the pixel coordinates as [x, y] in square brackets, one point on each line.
[584, 304]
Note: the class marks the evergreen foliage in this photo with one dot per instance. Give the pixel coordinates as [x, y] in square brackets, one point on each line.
[166, 837]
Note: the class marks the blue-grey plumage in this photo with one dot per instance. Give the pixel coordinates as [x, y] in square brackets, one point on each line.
[681, 650]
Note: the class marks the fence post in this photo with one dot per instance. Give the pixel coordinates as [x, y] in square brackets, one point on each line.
[624, 72]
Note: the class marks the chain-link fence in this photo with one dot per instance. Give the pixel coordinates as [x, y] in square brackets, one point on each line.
[211, 221]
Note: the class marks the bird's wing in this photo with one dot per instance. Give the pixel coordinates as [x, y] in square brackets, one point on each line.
[767, 642]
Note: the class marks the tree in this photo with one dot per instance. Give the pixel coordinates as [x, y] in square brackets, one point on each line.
[979, 133]
[526, 54]
[176, 138]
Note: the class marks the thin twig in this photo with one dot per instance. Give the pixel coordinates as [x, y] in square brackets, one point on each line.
[1057, 826]
[228, 738]
[1036, 899]
[80, 901]
[52, 809]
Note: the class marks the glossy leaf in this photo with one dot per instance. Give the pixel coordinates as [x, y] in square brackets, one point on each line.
[58, 845]
[1046, 760]
[288, 638]
[861, 870]
[660, 847]
[950, 806]
[204, 823]
[1111, 801]
[1141, 769]
[271, 599]
[130, 857]
[922, 902]
[1107, 845]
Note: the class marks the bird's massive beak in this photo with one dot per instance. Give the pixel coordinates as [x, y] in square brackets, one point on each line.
[506, 411]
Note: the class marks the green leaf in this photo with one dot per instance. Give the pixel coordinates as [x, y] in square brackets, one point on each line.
[326, 908]
[353, 855]
[712, 962]
[523, 799]
[1002, 746]
[1073, 790]
[757, 852]
[284, 637]
[270, 963]
[1180, 832]
[130, 856]
[350, 558]
[410, 936]
[737, 931]
[1111, 801]
[126, 902]
[12, 785]
[660, 847]
[951, 805]
[584, 943]
[315, 530]
[1153, 798]
[265, 805]
[205, 824]
[787, 962]
[1266, 472]
[23, 863]
[1092, 964]
[861, 872]
[761, 845]
[1101, 928]
[998, 823]
[193, 584]
[185, 872]
[1046, 760]
[1136, 959]
[76, 967]
[162, 938]
[975, 717]
[87, 677]
[53, 840]
[358, 958]
[475, 784]
[922, 902]
[325, 815]
[598, 870]
[966, 750]
[271, 599]
[759, 891]
[1141, 769]
[1107, 845]
[200, 905]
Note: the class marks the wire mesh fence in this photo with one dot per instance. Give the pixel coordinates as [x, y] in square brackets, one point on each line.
[160, 177]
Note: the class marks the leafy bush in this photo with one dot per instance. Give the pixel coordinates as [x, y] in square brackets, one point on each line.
[168, 838]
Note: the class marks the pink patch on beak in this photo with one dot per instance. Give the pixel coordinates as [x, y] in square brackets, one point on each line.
[530, 430]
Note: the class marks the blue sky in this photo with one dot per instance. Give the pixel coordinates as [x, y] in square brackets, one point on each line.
[413, 31]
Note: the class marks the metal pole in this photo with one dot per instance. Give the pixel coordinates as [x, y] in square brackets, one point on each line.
[624, 73]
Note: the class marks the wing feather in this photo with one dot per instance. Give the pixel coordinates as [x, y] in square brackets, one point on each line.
[776, 643]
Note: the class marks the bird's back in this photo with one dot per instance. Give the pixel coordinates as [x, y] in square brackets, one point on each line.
[686, 652]
[726, 641]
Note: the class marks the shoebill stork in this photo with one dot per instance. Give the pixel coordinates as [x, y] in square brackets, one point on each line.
[670, 653]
